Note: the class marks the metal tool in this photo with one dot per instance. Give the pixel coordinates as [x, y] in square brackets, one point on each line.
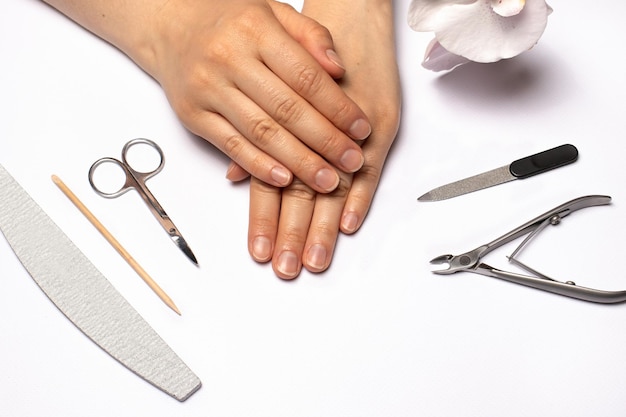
[137, 180]
[85, 296]
[472, 261]
[519, 169]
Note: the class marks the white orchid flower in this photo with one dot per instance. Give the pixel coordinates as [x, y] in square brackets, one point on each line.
[477, 30]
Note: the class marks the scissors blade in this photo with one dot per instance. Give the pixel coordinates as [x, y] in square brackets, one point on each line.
[182, 245]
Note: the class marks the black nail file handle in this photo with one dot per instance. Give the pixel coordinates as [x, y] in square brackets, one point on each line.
[544, 161]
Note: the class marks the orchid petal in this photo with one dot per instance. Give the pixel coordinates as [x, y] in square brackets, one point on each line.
[437, 58]
[425, 16]
[475, 30]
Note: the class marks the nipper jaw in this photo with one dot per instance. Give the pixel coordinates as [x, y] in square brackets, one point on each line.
[456, 263]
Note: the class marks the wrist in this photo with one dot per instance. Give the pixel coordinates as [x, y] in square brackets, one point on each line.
[126, 25]
[340, 17]
[354, 6]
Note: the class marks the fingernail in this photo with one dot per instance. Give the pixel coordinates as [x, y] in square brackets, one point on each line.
[327, 179]
[360, 129]
[352, 160]
[281, 175]
[261, 249]
[316, 257]
[288, 264]
[349, 222]
[332, 55]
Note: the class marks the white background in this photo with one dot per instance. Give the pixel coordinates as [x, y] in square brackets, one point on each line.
[377, 334]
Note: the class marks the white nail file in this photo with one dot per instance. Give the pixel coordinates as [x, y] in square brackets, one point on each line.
[85, 296]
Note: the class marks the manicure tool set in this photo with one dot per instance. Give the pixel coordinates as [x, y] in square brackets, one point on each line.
[87, 298]
[526, 167]
[81, 292]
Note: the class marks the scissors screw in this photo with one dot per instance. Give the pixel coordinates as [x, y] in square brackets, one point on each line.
[465, 260]
[554, 220]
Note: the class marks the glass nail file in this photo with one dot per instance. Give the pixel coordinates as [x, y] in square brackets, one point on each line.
[85, 296]
[519, 169]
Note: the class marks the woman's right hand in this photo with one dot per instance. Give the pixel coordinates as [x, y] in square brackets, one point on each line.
[255, 78]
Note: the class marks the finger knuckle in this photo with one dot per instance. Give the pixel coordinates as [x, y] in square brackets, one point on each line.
[188, 105]
[301, 191]
[292, 237]
[264, 131]
[233, 146]
[344, 109]
[308, 80]
[329, 144]
[220, 52]
[370, 173]
[304, 165]
[287, 110]
[251, 18]
[189, 112]
[264, 223]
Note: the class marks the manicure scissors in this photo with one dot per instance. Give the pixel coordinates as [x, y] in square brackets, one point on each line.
[472, 261]
[137, 180]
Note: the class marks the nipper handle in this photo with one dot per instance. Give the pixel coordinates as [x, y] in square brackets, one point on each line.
[562, 288]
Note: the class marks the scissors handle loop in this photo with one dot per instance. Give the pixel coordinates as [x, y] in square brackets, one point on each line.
[133, 178]
[128, 181]
[141, 174]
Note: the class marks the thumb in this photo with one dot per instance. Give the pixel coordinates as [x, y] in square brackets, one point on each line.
[312, 36]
